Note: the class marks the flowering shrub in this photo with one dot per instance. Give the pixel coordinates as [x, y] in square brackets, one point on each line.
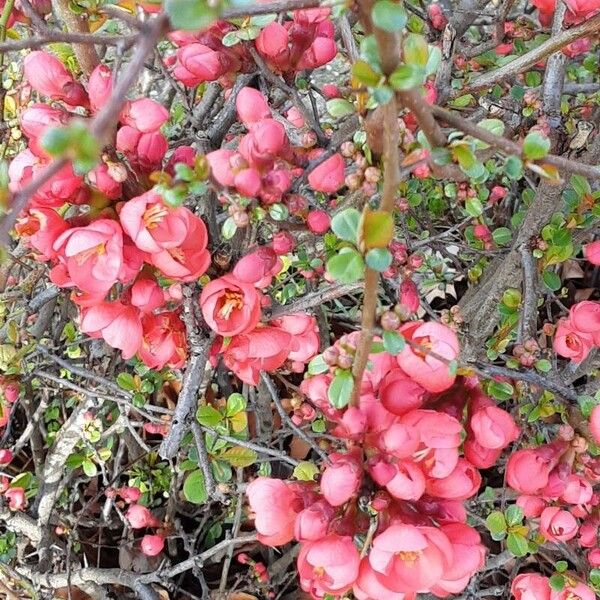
[314, 278]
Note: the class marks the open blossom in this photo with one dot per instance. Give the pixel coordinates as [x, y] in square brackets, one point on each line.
[312, 522]
[118, 324]
[163, 341]
[91, 256]
[572, 343]
[530, 586]
[262, 349]
[305, 338]
[493, 427]
[48, 76]
[409, 558]
[585, 317]
[462, 483]
[579, 591]
[276, 505]
[528, 470]
[39, 228]
[328, 565]
[429, 372]
[341, 479]
[229, 306]
[557, 525]
[368, 586]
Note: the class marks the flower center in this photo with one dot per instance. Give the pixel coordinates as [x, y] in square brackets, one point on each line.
[177, 254]
[408, 557]
[86, 254]
[319, 571]
[154, 216]
[233, 301]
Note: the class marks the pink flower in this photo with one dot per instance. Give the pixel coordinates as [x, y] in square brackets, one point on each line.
[583, 8]
[328, 177]
[592, 252]
[152, 225]
[49, 77]
[585, 317]
[493, 427]
[530, 586]
[100, 87]
[163, 341]
[341, 479]
[92, 255]
[409, 558]
[140, 517]
[40, 228]
[368, 586]
[39, 117]
[527, 471]
[276, 506]
[229, 306]
[571, 343]
[191, 258]
[197, 63]
[101, 178]
[429, 372]
[322, 50]
[479, 456]
[400, 394]
[409, 296]
[251, 106]
[119, 325]
[146, 295]
[247, 182]
[469, 558]
[145, 115]
[408, 482]
[579, 591]
[557, 525]
[6, 457]
[16, 498]
[272, 44]
[150, 151]
[129, 494]
[305, 338]
[152, 545]
[181, 155]
[318, 221]
[328, 566]
[220, 166]
[257, 267]
[532, 506]
[266, 141]
[263, 349]
[283, 242]
[462, 483]
[399, 440]
[312, 522]
[577, 490]
[595, 423]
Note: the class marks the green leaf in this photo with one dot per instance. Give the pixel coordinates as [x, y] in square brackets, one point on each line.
[231, 39]
[190, 14]
[340, 389]
[382, 94]
[376, 229]
[235, 403]
[495, 126]
[389, 16]
[393, 342]
[552, 280]
[347, 266]
[434, 60]
[305, 471]
[209, 416]
[89, 468]
[543, 365]
[378, 259]
[126, 382]
[345, 224]
[501, 390]
[237, 456]
[416, 50]
[474, 207]
[56, 140]
[406, 77]
[561, 566]
[557, 583]
[365, 74]
[580, 185]
[502, 236]
[194, 488]
[513, 167]
[535, 146]
[317, 365]
[229, 228]
[517, 544]
[221, 470]
[496, 522]
[462, 101]
[338, 107]
[279, 212]
[514, 515]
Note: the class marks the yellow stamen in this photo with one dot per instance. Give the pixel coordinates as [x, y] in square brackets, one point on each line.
[86, 254]
[233, 301]
[154, 215]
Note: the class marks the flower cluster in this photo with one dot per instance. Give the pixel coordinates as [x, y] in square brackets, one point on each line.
[232, 307]
[531, 586]
[577, 10]
[580, 332]
[264, 164]
[413, 447]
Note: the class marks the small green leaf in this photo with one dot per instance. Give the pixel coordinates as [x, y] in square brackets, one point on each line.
[535, 146]
[190, 14]
[376, 229]
[229, 228]
[393, 342]
[194, 488]
[317, 365]
[495, 126]
[474, 207]
[543, 365]
[552, 280]
[513, 167]
[514, 515]
[434, 60]
[340, 389]
[345, 224]
[89, 468]
[209, 416]
[580, 185]
[416, 50]
[235, 403]
[502, 236]
[517, 544]
[305, 471]
[557, 583]
[501, 390]
[561, 566]
[338, 107]
[406, 77]
[237, 456]
[496, 522]
[378, 259]
[347, 266]
[56, 140]
[126, 382]
[365, 74]
[389, 16]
